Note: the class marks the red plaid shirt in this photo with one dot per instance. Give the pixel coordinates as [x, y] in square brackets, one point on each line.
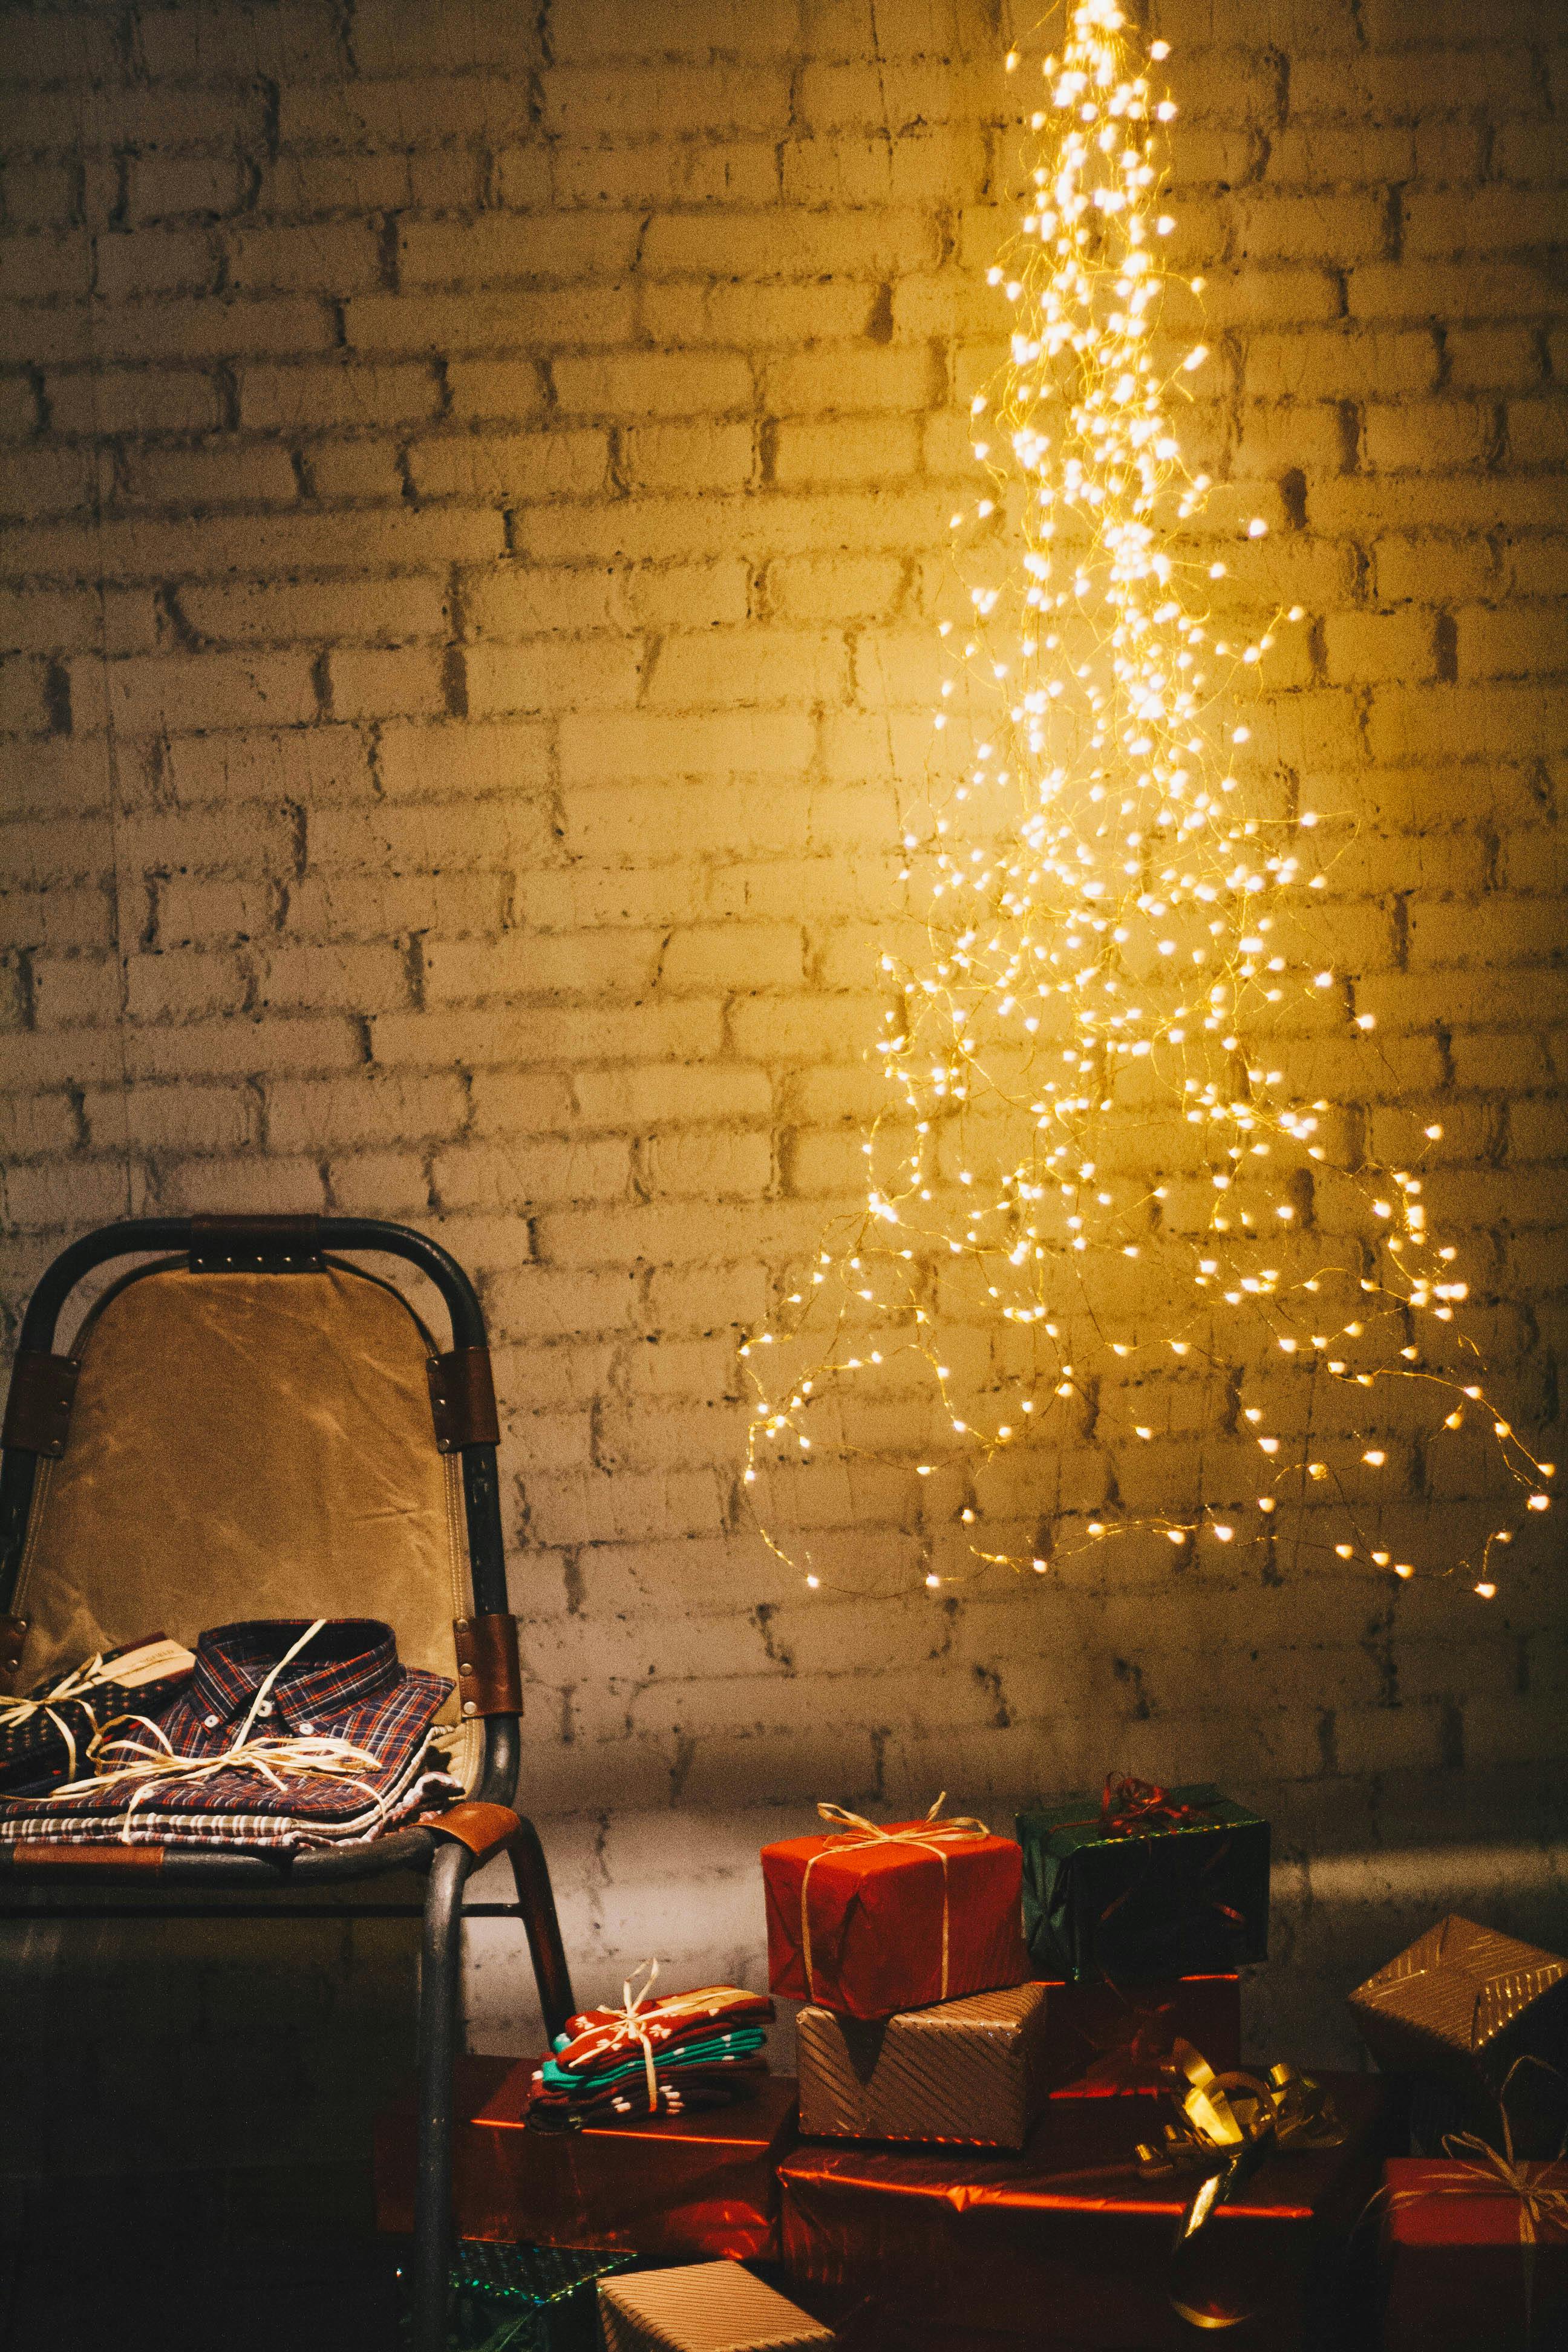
[345, 1684]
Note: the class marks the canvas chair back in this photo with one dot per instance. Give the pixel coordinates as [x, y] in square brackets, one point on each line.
[248, 1445]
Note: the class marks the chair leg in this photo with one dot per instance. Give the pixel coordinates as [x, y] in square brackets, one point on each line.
[536, 1901]
[438, 2051]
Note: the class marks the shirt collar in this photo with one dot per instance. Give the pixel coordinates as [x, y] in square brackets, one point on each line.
[350, 1661]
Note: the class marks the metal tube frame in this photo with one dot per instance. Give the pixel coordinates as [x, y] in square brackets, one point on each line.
[445, 1863]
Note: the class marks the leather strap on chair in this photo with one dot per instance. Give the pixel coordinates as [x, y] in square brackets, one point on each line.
[256, 1246]
[463, 1399]
[38, 1409]
[489, 1672]
[33, 1853]
[13, 1634]
[485, 1830]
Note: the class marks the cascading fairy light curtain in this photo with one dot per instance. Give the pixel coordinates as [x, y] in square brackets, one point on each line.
[1120, 1273]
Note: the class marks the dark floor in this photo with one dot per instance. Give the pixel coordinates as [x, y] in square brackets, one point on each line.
[231, 2261]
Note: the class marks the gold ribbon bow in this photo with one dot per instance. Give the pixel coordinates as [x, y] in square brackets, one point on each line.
[928, 1835]
[318, 1755]
[1225, 2113]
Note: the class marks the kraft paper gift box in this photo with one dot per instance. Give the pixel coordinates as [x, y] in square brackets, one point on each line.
[972, 2070]
[667, 2187]
[1457, 2010]
[1068, 2244]
[868, 1920]
[1457, 2274]
[1136, 1895]
[711, 2307]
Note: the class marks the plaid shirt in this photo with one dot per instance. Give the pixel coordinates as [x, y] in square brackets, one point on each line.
[346, 1685]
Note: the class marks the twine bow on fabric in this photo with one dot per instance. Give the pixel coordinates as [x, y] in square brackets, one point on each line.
[314, 1755]
[72, 1686]
[636, 2019]
[932, 1835]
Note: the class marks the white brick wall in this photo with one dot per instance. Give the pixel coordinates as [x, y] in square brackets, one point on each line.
[475, 484]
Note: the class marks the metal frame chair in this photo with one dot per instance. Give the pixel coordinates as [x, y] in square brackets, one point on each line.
[485, 1827]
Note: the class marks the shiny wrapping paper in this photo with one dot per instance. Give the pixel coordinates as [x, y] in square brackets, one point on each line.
[709, 2308]
[1068, 2246]
[970, 2071]
[1106, 2041]
[1458, 2009]
[668, 2187]
[1190, 1899]
[866, 1928]
[1455, 2272]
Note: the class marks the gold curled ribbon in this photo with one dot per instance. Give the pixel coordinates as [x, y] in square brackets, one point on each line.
[1224, 2113]
[928, 1835]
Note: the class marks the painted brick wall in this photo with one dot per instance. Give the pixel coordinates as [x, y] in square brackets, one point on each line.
[475, 479]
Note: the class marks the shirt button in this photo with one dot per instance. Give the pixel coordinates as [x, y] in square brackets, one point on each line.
[210, 1721]
[307, 1726]
[266, 1707]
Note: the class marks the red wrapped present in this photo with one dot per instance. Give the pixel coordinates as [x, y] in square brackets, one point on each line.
[680, 2187]
[1109, 2041]
[868, 1920]
[1475, 2253]
[1070, 2243]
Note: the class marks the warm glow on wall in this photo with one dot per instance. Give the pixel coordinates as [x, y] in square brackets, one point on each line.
[1120, 1272]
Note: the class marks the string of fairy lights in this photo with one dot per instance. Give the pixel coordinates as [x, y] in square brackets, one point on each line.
[1108, 1232]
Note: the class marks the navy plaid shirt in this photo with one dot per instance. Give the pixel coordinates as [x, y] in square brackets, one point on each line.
[346, 1683]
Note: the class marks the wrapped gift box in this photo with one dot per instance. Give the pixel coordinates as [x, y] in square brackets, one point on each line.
[709, 2308]
[528, 2298]
[1105, 2041]
[1458, 2010]
[865, 1925]
[1190, 1898]
[668, 2187]
[1457, 2275]
[1070, 2245]
[971, 2070]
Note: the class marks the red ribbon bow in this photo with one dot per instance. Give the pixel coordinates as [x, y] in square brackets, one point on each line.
[1131, 1807]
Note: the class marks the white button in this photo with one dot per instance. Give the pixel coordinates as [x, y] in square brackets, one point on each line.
[307, 1726]
[266, 1707]
[211, 1722]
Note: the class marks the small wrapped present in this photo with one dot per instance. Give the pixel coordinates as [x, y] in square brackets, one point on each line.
[1150, 1882]
[869, 1920]
[1475, 2253]
[1070, 2244]
[668, 2187]
[526, 2298]
[1113, 2041]
[971, 2070]
[711, 2307]
[658, 2054]
[1459, 2011]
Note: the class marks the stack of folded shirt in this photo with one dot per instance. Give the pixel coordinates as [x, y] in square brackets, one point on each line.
[45, 1736]
[282, 1733]
[658, 2056]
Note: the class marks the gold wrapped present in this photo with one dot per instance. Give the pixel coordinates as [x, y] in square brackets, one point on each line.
[971, 2070]
[1460, 2008]
[709, 2308]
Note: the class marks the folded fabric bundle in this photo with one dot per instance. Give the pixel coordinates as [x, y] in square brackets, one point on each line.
[45, 1736]
[656, 2055]
[284, 1734]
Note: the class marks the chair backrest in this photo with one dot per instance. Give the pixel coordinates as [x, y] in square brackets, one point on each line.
[248, 1445]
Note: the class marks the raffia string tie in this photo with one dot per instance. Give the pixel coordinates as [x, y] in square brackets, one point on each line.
[637, 2020]
[73, 1684]
[302, 1757]
[934, 1837]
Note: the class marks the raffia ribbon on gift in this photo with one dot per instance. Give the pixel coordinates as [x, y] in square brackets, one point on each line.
[929, 1836]
[95, 1673]
[303, 1756]
[637, 2020]
[1483, 2170]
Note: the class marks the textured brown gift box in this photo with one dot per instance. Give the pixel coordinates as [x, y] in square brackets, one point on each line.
[671, 2188]
[1457, 2009]
[1068, 2244]
[971, 2070]
[709, 2307]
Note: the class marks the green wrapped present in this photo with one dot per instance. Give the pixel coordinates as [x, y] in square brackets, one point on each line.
[526, 2298]
[1150, 1882]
